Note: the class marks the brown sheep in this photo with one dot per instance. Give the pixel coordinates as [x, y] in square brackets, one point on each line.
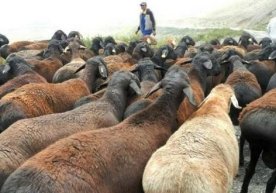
[202, 155]
[26, 137]
[36, 99]
[107, 160]
[52, 62]
[22, 45]
[16, 73]
[203, 65]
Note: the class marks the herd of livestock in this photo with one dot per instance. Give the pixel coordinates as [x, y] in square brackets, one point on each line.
[126, 117]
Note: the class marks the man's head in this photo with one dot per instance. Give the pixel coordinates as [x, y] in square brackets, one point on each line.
[143, 6]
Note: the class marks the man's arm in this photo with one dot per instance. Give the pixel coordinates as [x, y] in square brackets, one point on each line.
[152, 20]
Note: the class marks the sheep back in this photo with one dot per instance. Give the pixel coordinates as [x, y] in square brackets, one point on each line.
[266, 102]
[18, 81]
[183, 164]
[34, 100]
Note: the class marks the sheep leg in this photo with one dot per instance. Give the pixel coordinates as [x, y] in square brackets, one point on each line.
[242, 141]
[270, 186]
[255, 152]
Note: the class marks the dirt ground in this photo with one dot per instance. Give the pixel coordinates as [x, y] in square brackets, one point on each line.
[260, 178]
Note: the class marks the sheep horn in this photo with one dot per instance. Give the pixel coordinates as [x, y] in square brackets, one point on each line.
[80, 68]
[272, 56]
[134, 68]
[245, 62]
[82, 47]
[6, 68]
[235, 102]
[189, 93]
[154, 89]
[135, 87]
[159, 67]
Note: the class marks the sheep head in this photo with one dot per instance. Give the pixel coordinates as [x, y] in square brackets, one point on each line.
[222, 92]
[142, 50]
[176, 82]
[266, 52]
[188, 40]
[125, 80]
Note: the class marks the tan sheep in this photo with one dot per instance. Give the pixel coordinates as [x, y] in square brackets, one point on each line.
[202, 155]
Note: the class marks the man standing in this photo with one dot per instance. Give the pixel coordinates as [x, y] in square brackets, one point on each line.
[147, 21]
[271, 29]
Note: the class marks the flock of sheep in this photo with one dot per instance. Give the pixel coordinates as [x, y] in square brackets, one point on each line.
[129, 118]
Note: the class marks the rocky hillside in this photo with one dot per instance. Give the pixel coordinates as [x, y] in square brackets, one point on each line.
[240, 14]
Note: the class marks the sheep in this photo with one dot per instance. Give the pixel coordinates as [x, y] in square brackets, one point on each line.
[26, 137]
[7, 49]
[265, 67]
[124, 61]
[180, 49]
[161, 55]
[266, 41]
[272, 83]
[248, 42]
[110, 49]
[16, 73]
[142, 50]
[68, 71]
[52, 62]
[229, 41]
[257, 123]
[59, 35]
[36, 99]
[203, 65]
[73, 34]
[3, 40]
[105, 160]
[188, 40]
[96, 45]
[244, 83]
[202, 155]
[215, 43]
[146, 72]
[95, 68]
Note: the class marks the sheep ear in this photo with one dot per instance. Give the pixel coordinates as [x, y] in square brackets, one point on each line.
[235, 102]
[272, 56]
[6, 69]
[189, 93]
[165, 53]
[144, 49]
[154, 89]
[208, 64]
[135, 87]
[103, 71]
[66, 49]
